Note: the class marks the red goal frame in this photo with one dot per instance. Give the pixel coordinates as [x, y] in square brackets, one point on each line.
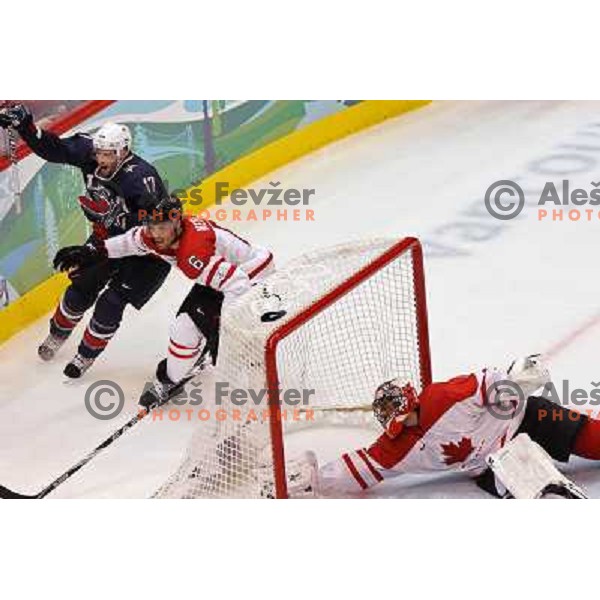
[409, 244]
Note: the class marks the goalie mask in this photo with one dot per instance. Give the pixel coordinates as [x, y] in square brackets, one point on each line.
[394, 399]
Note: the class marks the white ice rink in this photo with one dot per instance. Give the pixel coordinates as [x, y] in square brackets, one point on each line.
[496, 289]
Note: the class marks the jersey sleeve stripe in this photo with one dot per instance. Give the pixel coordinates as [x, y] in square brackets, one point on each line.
[483, 390]
[261, 267]
[363, 455]
[213, 271]
[354, 471]
[227, 277]
[235, 235]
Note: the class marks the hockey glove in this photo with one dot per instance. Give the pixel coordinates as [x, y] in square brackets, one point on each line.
[17, 116]
[77, 257]
[529, 373]
[104, 205]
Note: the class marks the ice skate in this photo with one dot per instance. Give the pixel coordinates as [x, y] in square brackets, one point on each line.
[50, 346]
[78, 366]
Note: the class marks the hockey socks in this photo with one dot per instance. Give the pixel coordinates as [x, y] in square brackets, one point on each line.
[587, 442]
[64, 320]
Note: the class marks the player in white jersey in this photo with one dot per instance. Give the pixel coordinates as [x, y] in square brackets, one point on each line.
[457, 425]
[220, 263]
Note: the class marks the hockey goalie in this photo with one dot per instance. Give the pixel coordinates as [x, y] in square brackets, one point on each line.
[487, 425]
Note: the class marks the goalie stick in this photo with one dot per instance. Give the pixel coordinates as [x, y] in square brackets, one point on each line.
[8, 494]
[14, 161]
[342, 409]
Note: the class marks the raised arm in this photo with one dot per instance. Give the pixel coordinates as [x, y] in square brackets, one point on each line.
[75, 150]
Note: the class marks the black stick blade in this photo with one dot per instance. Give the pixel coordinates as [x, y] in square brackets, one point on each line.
[7, 494]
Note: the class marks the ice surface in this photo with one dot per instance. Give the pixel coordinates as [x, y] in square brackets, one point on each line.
[495, 288]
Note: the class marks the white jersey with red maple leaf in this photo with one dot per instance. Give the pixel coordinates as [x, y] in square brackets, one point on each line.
[207, 253]
[456, 432]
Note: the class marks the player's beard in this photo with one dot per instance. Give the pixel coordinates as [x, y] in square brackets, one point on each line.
[106, 171]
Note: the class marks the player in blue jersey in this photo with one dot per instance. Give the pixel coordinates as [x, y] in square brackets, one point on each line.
[120, 186]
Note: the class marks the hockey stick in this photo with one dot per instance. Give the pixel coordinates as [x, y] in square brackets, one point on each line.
[8, 494]
[340, 409]
[4, 292]
[14, 161]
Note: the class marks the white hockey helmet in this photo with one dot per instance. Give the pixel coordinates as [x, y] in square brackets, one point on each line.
[112, 136]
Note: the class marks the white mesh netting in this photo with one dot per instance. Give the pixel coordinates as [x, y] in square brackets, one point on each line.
[334, 358]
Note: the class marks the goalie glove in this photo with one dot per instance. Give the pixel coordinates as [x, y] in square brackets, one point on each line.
[529, 373]
[77, 257]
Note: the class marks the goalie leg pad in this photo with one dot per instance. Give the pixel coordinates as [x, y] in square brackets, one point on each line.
[527, 471]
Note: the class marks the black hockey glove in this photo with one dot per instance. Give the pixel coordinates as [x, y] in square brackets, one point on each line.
[17, 116]
[79, 257]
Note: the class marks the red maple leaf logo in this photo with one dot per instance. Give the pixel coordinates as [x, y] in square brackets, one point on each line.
[457, 453]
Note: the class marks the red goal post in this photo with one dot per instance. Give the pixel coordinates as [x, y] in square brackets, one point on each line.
[407, 245]
[335, 322]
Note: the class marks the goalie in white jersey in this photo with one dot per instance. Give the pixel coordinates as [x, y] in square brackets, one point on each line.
[219, 262]
[467, 424]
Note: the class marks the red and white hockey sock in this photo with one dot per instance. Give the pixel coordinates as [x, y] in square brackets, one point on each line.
[185, 345]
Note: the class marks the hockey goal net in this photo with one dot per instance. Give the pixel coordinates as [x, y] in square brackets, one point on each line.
[308, 346]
